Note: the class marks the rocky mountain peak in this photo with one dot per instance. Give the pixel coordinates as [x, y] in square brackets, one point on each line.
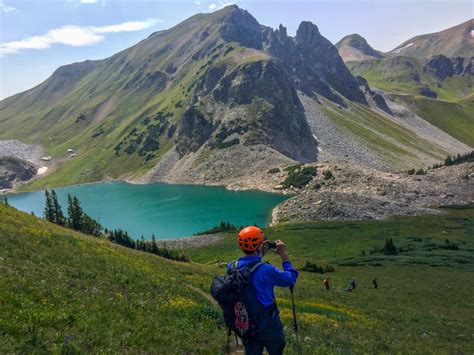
[240, 26]
[307, 33]
[354, 47]
[282, 30]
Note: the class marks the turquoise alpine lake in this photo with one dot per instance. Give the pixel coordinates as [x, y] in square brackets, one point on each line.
[167, 211]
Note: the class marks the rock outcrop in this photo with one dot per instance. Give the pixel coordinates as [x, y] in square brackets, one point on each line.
[354, 192]
[443, 67]
[14, 171]
[426, 91]
[377, 99]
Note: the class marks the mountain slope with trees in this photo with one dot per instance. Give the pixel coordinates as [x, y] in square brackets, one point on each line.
[202, 101]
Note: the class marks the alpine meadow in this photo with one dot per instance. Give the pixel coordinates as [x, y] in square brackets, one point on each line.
[210, 181]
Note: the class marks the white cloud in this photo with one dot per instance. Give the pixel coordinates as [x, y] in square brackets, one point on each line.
[89, 1]
[73, 36]
[197, 3]
[128, 26]
[212, 6]
[5, 8]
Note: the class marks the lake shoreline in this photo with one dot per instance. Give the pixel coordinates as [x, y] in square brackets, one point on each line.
[195, 241]
[168, 211]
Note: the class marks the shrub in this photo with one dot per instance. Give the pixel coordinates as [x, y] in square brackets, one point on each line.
[411, 172]
[299, 178]
[152, 247]
[292, 168]
[420, 172]
[313, 267]
[171, 254]
[389, 248]
[327, 175]
[449, 245]
[222, 227]
[223, 145]
[456, 159]
[273, 171]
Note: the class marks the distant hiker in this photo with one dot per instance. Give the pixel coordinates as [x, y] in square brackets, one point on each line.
[251, 311]
[326, 283]
[353, 283]
[374, 283]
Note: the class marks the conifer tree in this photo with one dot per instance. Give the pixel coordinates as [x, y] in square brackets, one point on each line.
[448, 161]
[154, 247]
[389, 248]
[75, 212]
[57, 211]
[48, 208]
[90, 225]
[140, 244]
[70, 210]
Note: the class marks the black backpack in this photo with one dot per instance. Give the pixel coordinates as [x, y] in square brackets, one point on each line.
[238, 299]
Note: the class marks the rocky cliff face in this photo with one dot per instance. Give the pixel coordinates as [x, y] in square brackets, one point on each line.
[443, 67]
[13, 171]
[270, 112]
[314, 63]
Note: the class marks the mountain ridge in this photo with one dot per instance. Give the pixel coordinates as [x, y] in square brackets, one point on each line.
[185, 102]
[451, 42]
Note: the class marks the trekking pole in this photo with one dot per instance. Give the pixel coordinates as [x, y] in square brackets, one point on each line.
[295, 323]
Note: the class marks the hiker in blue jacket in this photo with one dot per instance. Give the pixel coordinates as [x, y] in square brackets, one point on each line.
[252, 242]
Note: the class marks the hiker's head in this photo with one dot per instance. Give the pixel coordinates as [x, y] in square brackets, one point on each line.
[249, 239]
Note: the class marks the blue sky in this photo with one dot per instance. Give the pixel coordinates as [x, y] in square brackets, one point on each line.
[37, 36]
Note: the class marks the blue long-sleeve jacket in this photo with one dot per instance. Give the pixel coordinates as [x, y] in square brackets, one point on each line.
[268, 276]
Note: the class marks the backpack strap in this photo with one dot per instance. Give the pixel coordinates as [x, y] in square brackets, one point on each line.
[256, 266]
[252, 267]
[233, 266]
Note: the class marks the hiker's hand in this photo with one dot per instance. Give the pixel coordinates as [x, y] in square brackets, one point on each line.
[264, 248]
[281, 249]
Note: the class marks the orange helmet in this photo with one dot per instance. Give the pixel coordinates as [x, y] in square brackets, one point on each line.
[250, 238]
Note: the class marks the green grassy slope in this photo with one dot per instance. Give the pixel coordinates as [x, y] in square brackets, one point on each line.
[62, 291]
[397, 75]
[452, 111]
[423, 301]
[395, 145]
[455, 118]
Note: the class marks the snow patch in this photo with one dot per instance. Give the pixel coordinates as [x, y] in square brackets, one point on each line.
[402, 48]
[316, 139]
[42, 170]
